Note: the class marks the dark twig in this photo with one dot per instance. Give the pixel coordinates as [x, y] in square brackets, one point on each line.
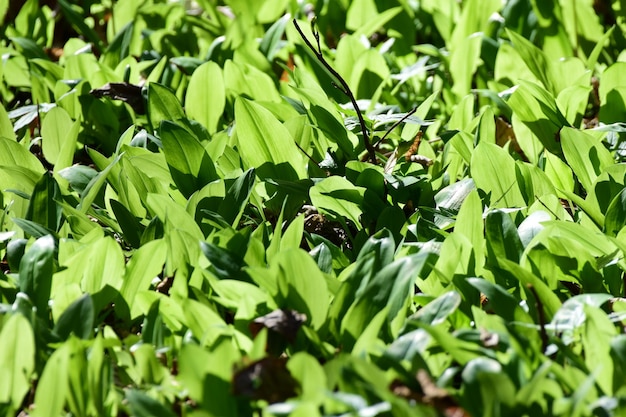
[344, 85]
[305, 153]
[542, 318]
[396, 124]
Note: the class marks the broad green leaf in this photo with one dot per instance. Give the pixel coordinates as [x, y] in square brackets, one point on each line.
[302, 285]
[612, 93]
[272, 41]
[93, 266]
[615, 218]
[36, 270]
[389, 288]
[95, 185]
[460, 350]
[464, 60]
[245, 80]
[234, 202]
[191, 167]
[56, 129]
[487, 385]
[493, 170]
[535, 59]
[475, 17]
[573, 101]
[377, 252]
[587, 157]
[165, 208]
[537, 109]
[52, 387]
[559, 173]
[469, 223]
[163, 105]
[501, 301]
[142, 405]
[17, 359]
[43, 208]
[265, 144]
[145, 264]
[533, 182]
[438, 310]
[206, 375]
[549, 301]
[338, 198]
[597, 50]
[13, 154]
[6, 128]
[206, 95]
[78, 318]
[596, 339]
[78, 23]
[309, 373]
[149, 369]
[130, 225]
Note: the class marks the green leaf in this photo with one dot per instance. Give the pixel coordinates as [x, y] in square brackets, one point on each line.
[52, 387]
[503, 242]
[615, 218]
[206, 96]
[36, 270]
[338, 198]
[265, 144]
[95, 185]
[311, 376]
[586, 156]
[78, 318]
[14, 154]
[130, 225]
[190, 165]
[377, 21]
[535, 59]
[271, 43]
[146, 263]
[17, 359]
[596, 339]
[493, 170]
[302, 285]
[438, 310]
[43, 208]
[389, 288]
[56, 129]
[537, 109]
[142, 405]
[232, 206]
[549, 301]
[487, 385]
[6, 128]
[78, 22]
[163, 105]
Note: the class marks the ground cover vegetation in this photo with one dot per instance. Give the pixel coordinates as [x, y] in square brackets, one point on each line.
[327, 208]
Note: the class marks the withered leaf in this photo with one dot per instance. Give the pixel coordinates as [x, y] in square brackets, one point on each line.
[126, 92]
[266, 379]
[284, 322]
[430, 394]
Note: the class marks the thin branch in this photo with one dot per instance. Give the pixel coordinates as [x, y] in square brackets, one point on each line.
[305, 153]
[396, 124]
[344, 85]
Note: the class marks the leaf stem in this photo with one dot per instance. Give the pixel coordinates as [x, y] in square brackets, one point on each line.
[344, 85]
[396, 124]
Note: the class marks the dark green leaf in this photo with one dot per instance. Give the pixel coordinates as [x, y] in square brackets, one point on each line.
[36, 270]
[78, 318]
